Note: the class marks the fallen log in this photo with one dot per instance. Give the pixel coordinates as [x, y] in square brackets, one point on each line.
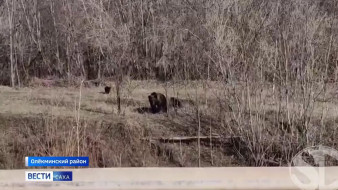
[215, 139]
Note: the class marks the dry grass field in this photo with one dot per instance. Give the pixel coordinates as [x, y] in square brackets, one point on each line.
[42, 121]
[255, 124]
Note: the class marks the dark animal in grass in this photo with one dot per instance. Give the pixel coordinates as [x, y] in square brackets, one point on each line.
[107, 89]
[158, 102]
[175, 102]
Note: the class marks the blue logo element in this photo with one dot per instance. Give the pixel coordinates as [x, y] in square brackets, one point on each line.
[56, 161]
[62, 176]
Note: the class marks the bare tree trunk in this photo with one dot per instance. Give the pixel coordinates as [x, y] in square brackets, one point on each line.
[199, 127]
[118, 95]
[17, 73]
[11, 25]
[101, 51]
[118, 82]
[57, 53]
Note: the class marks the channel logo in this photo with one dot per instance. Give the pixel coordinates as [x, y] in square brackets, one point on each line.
[49, 176]
[307, 169]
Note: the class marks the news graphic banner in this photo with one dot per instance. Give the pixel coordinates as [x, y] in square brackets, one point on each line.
[56, 161]
[49, 176]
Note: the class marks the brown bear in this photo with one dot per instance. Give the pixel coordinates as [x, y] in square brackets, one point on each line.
[107, 89]
[158, 102]
[175, 102]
